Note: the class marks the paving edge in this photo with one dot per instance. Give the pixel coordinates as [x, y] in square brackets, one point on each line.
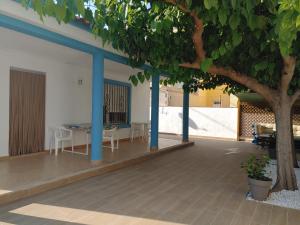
[48, 185]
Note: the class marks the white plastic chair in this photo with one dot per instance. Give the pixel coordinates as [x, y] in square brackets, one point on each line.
[112, 136]
[137, 130]
[147, 131]
[60, 134]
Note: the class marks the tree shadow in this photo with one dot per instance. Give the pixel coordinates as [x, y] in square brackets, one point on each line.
[192, 123]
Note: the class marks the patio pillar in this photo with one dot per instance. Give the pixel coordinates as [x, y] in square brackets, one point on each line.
[185, 115]
[154, 112]
[97, 105]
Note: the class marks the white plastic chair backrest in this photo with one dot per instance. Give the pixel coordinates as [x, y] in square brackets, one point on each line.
[137, 126]
[61, 132]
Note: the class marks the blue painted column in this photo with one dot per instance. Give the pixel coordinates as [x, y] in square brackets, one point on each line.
[185, 115]
[97, 105]
[154, 112]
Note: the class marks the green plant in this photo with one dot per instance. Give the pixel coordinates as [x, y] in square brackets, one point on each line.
[256, 167]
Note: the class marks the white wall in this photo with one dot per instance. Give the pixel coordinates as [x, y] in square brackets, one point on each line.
[140, 100]
[16, 10]
[63, 93]
[66, 101]
[206, 122]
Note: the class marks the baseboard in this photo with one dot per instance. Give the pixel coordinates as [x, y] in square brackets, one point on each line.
[46, 151]
[24, 155]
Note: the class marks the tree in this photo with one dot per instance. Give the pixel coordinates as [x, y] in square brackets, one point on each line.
[242, 44]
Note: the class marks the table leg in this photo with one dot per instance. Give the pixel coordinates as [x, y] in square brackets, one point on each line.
[87, 143]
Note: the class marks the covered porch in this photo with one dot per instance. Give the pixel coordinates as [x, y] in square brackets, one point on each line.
[78, 74]
[77, 70]
[27, 175]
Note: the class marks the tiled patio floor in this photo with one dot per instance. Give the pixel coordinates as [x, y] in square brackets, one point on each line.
[19, 172]
[202, 185]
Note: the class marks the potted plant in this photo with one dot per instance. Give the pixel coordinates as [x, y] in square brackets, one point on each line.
[259, 183]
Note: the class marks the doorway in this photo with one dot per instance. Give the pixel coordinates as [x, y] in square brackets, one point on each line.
[26, 112]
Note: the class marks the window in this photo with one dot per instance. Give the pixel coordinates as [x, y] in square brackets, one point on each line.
[116, 103]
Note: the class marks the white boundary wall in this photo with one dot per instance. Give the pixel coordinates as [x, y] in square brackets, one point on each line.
[205, 122]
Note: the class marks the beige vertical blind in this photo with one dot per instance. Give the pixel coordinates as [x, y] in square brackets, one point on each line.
[27, 112]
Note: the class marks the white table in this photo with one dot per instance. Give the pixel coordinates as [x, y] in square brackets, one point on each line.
[108, 134]
[81, 127]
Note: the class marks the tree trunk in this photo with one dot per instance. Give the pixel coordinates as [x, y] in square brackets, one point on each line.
[286, 178]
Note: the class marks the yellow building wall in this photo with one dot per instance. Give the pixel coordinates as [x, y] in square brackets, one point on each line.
[202, 98]
[198, 99]
[217, 95]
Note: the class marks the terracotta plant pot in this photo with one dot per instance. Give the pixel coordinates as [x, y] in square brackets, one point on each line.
[259, 189]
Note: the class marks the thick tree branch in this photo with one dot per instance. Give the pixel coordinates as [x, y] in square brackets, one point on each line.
[268, 93]
[289, 64]
[251, 83]
[197, 35]
[295, 96]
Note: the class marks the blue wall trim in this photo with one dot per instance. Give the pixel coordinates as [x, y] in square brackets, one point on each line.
[32, 30]
[116, 82]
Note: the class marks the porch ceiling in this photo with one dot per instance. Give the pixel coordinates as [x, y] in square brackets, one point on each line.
[12, 41]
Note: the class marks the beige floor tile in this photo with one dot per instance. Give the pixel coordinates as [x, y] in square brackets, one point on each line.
[233, 203]
[205, 218]
[262, 214]
[278, 216]
[200, 185]
[240, 220]
[293, 217]
[247, 208]
[224, 218]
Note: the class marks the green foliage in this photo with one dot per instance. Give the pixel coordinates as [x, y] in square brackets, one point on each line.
[62, 10]
[222, 15]
[206, 64]
[256, 167]
[249, 36]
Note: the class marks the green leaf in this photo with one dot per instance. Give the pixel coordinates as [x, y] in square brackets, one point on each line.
[134, 80]
[80, 6]
[215, 55]
[60, 12]
[37, 5]
[222, 50]
[233, 3]
[211, 4]
[234, 21]
[236, 38]
[298, 21]
[250, 5]
[141, 77]
[207, 4]
[147, 75]
[261, 66]
[206, 64]
[222, 15]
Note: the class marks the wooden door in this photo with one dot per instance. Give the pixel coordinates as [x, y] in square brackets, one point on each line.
[27, 112]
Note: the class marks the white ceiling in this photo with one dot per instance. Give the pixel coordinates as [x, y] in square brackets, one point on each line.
[14, 41]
